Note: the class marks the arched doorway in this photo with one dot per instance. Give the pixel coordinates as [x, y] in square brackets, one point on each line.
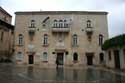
[31, 59]
[89, 58]
[75, 57]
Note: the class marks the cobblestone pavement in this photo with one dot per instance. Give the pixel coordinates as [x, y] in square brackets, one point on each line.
[34, 74]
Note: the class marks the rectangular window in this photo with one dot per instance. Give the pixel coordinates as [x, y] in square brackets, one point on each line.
[19, 56]
[20, 39]
[75, 42]
[109, 55]
[45, 40]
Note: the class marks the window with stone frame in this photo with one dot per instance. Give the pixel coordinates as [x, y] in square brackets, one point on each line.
[19, 56]
[45, 40]
[45, 57]
[55, 24]
[32, 23]
[75, 40]
[20, 39]
[60, 23]
[100, 39]
[88, 23]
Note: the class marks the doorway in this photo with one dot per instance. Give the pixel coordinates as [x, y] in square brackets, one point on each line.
[117, 59]
[75, 57]
[60, 58]
[89, 58]
[101, 56]
[31, 59]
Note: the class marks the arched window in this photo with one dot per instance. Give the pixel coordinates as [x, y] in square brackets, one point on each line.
[74, 40]
[88, 23]
[100, 39]
[45, 41]
[32, 23]
[19, 56]
[60, 23]
[75, 57]
[45, 56]
[20, 39]
[65, 24]
[55, 23]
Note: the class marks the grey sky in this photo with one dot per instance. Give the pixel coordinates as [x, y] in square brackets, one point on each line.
[116, 9]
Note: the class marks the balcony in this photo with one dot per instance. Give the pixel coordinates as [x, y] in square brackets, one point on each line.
[61, 27]
[89, 30]
[32, 30]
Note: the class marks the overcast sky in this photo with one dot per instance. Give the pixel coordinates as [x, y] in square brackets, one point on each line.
[116, 9]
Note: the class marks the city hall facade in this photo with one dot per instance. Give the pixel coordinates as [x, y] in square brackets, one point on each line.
[72, 38]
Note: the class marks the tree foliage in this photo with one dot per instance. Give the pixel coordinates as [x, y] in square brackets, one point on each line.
[117, 41]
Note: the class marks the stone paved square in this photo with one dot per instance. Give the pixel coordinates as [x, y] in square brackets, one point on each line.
[35, 74]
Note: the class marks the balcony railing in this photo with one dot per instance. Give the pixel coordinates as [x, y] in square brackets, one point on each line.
[60, 29]
[89, 30]
[32, 29]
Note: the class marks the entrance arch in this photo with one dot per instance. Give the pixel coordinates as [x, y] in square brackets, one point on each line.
[75, 57]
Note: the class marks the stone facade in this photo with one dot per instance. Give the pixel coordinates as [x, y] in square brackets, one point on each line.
[6, 35]
[64, 37]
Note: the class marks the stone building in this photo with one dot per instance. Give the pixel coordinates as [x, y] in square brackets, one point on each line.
[6, 35]
[69, 37]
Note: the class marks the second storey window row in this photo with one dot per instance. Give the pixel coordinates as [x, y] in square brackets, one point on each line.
[60, 24]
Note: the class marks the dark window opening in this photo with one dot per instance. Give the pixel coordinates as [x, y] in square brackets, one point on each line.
[75, 57]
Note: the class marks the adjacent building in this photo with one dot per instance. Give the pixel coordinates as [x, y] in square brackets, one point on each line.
[6, 36]
[68, 37]
[115, 52]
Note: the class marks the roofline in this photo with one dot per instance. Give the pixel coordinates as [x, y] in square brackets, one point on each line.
[60, 12]
[4, 11]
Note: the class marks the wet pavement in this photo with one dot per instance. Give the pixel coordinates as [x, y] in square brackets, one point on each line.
[33, 74]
